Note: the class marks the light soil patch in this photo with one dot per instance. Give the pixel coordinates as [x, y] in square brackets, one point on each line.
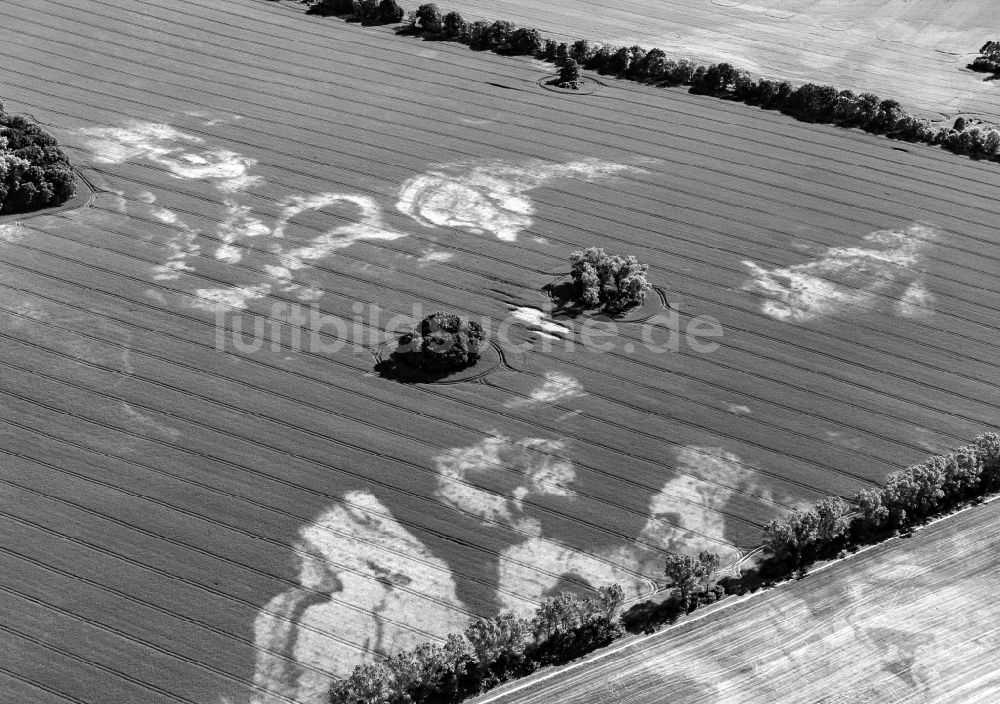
[489, 197]
[847, 280]
[364, 579]
[184, 155]
[556, 388]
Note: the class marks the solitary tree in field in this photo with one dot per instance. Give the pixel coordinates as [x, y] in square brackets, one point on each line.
[569, 73]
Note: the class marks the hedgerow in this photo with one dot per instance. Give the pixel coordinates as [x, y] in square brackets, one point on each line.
[909, 498]
[34, 171]
[810, 102]
[490, 651]
[494, 650]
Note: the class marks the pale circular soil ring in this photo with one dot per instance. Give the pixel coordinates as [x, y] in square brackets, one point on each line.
[490, 361]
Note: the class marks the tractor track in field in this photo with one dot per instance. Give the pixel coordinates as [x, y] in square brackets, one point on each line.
[422, 295]
[201, 477]
[700, 195]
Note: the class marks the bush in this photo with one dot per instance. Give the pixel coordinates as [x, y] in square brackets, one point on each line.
[428, 18]
[988, 60]
[569, 73]
[34, 171]
[327, 8]
[524, 42]
[607, 281]
[441, 342]
[581, 51]
[454, 27]
[372, 12]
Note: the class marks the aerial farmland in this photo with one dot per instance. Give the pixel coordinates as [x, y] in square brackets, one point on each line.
[212, 492]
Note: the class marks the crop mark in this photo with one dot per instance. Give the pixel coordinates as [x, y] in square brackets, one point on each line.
[489, 198]
[846, 279]
[538, 320]
[556, 387]
[168, 147]
[709, 478]
[369, 226]
[299, 632]
[239, 224]
[528, 466]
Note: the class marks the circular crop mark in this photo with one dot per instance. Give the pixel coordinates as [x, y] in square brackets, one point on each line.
[586, 85]
[490, 360]
[561, 292]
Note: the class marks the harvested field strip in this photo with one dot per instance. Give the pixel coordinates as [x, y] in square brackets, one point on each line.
[899, 615]
[865, 49]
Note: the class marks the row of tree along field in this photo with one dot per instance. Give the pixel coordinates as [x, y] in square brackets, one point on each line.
[810, 102]
[494, 650]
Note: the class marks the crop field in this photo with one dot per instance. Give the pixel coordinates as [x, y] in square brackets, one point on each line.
[913, 51]
[207, 492]
[909, 622]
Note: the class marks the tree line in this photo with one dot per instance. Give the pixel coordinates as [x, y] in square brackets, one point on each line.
[909, 498]
[34, 171]
[497, 649]
[810, 102]
[490, 651]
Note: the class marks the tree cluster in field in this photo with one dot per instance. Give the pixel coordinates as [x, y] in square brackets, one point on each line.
[611, 282]
[810, 102]
[34, 171]
[487, 653]
[367, 12]
[909, 498]
[988, 60]
[441, 342]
